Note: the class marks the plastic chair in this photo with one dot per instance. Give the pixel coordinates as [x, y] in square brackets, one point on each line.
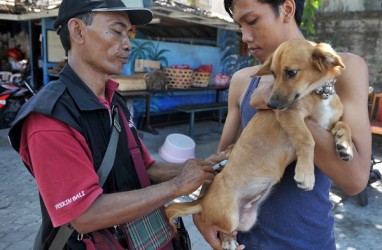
[375, 116]
[5, 76]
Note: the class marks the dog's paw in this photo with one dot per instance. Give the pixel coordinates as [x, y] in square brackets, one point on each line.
[343, 145]
[344, 150]
[304, 180]
[229, 244]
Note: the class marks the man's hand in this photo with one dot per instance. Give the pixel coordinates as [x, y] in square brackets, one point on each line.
[211, 233]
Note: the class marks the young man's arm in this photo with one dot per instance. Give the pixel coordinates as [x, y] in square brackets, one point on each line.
[352, 87]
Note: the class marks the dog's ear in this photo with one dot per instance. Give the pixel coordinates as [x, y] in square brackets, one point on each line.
[265, 69]
[325, 58]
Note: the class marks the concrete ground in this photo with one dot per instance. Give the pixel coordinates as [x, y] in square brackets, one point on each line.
[357, 228]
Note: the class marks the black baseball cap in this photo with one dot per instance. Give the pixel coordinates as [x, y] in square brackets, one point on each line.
[72, 8]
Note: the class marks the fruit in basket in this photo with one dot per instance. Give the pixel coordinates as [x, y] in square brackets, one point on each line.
[220, 80]
[204, 68]
[182, 66]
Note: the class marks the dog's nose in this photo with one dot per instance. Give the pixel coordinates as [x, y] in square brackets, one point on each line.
[272, 105]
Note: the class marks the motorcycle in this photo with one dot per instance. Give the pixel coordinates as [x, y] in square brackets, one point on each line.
[13, 94]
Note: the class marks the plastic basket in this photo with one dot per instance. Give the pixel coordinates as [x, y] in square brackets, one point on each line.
[178, 78]
[200, 79]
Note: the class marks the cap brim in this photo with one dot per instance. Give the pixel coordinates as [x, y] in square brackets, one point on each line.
[137, 16]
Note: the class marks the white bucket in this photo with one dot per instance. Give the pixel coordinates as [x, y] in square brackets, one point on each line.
[177, 148]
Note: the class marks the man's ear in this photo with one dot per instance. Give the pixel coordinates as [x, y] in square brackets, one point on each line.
[75, 30]
[265, 69]
[289, 8]
[324, 58]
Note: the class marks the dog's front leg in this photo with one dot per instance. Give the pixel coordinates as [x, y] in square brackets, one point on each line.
[342, 137]
[294, 125]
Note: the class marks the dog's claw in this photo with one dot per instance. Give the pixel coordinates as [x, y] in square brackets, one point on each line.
[345, 151]
[229, 244]
[304, 181]
[303, 187]
[345, 156]
[343, 146]
[340, 147]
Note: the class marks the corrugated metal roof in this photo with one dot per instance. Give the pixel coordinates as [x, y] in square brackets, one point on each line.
[172, 21]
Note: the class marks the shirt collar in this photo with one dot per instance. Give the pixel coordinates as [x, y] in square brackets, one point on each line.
[83, 96]
[111, 88]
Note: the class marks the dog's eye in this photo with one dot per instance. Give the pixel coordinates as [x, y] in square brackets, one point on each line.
[291, 73]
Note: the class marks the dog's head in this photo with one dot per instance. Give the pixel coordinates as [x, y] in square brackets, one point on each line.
[299, 67]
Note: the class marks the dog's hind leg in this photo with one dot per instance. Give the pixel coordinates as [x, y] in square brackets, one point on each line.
[228, 241]
[342, 137]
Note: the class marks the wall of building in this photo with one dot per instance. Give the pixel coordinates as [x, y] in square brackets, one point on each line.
[350, 5]
[356, 27]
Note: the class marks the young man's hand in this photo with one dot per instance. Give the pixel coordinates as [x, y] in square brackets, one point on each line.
[210, 233]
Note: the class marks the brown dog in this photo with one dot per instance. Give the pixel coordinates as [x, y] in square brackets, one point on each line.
[275, 138]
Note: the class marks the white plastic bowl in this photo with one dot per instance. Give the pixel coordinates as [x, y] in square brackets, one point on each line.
[177, 148]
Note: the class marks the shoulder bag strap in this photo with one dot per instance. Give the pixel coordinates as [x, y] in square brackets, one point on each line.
[136, 155]
[65, 231]
[109, 157]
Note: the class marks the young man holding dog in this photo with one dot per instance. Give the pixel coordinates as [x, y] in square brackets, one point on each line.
[62, 133]
[292, 218]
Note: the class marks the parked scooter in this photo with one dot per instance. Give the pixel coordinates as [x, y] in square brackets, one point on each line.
[13, 94]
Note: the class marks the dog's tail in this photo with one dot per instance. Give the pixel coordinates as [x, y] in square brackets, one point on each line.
[182, 209]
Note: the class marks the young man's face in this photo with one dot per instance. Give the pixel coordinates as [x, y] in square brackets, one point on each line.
[106, 42]
[261, 29]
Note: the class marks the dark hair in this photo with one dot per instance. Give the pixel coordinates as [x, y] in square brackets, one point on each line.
[275, 4]
[87, 18]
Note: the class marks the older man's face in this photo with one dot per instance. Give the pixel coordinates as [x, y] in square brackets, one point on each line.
[106, 42]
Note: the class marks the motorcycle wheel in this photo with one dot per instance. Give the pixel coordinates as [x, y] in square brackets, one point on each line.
[9, 112]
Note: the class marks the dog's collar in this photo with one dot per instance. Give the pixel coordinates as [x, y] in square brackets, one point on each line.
[327, 89]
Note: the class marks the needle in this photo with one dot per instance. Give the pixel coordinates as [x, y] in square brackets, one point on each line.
[219, 166]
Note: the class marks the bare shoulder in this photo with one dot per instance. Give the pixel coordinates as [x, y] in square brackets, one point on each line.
[354, 79]
[244, 74]
[353, 62]
[240, 81]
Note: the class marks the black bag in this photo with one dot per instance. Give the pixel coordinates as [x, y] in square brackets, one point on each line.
[156, 80]
[181, 241]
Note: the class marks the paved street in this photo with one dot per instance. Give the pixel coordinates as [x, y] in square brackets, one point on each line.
[356, 227]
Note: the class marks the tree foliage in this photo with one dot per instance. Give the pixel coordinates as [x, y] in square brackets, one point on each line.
[308, 19]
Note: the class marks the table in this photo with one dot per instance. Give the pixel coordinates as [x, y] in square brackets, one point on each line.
[194, 108]
[148, 93]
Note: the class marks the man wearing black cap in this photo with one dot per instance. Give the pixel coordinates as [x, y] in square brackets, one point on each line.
[63, 132]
